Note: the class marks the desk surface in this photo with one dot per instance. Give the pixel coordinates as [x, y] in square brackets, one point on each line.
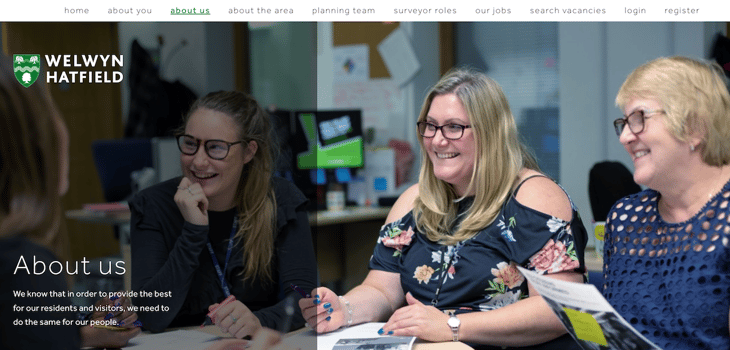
[303, 337]
[320, 218]
[119, 217]
[348, 215]
[593, 261]
[306, 340]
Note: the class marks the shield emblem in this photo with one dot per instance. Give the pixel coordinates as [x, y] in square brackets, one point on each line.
[27, 68]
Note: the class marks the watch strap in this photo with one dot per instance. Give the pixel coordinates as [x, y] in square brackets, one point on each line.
[454, 329]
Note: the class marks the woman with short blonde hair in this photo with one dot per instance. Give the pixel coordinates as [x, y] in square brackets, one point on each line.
[673, 236]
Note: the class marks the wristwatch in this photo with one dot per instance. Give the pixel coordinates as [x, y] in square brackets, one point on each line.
[454, 324]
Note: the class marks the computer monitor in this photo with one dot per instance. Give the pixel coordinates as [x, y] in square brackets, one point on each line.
[328, 139]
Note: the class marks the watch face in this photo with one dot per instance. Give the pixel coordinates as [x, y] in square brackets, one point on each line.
[453, 321]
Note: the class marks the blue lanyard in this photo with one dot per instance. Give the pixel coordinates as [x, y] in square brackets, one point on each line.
[217, 266]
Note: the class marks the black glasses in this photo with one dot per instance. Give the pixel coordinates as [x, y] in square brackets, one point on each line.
[635, 121]
[216, 149]
[450, 131]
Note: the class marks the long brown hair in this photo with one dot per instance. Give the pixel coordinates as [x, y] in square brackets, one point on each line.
[499, 158]
[255, 197]
[29, 159]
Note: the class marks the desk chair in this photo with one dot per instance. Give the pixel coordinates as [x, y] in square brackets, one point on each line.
[607, 183]
[115, 161]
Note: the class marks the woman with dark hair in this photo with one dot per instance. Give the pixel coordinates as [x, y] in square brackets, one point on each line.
[445, 266]
[34, 168]
[227, 228]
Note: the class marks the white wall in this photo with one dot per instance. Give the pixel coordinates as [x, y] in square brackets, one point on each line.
[282, 65]
[517, 56]
[595, 58]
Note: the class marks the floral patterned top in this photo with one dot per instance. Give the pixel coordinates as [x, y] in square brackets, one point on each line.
[480, 273]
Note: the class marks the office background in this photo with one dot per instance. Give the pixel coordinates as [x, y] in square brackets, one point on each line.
[575, 69]
[572, 69]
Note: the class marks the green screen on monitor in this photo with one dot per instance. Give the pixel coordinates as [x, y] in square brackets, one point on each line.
[334, 139]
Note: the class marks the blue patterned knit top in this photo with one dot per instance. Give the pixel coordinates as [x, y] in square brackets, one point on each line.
[671, 281]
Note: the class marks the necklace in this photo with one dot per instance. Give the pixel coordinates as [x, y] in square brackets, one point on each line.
[682, 213]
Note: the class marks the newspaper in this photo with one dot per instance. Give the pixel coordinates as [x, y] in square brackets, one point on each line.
[587, 316]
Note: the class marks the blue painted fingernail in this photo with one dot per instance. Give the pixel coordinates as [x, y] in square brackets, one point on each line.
[121, 323]
[381, 331]
[317, 301]
[390, 333]
[114, 297]
[327, 305]
[117, 303]
[108, 316]
[137, 323]
[330, 310]
[328, 318]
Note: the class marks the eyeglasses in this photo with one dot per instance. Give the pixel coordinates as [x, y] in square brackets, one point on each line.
[216, 149]
[635, 121]
[450, 131]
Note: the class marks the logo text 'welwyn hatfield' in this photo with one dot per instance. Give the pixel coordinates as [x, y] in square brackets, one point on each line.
[84, 61]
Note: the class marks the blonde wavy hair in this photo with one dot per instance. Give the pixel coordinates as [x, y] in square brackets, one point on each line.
[694, 97]
[29, 160]
[255, 198]
[499, 158]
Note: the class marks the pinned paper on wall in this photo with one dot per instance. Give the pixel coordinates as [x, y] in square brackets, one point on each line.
[351, 63]
[379, 99]
[399, 57]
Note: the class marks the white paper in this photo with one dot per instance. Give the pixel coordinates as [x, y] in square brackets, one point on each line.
[327, 341]
[351, 63]
[378, 99]
[175, 340]
[584, 301]
[399, 57]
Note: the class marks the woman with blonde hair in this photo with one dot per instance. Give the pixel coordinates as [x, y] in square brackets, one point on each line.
[228, 227]
[445, 264]
[34, 167]
[673, 237]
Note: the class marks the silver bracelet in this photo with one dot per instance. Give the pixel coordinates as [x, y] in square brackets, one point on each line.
[349, 310]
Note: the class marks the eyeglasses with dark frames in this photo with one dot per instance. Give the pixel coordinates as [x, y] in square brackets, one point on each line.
[449, 131]
[635, 121]
[215, 149]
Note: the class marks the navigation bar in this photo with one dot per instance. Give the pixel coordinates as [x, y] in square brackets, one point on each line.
[370, 11]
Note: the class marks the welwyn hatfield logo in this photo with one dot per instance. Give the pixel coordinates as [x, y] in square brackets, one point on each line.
[27, 68]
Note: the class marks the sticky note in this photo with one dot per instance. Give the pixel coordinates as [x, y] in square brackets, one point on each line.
[598, 231]
[586, 327]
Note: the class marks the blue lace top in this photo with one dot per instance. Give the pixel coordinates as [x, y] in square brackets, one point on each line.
[671, 281]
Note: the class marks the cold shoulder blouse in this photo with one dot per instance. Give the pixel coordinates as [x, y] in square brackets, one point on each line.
[480, 273]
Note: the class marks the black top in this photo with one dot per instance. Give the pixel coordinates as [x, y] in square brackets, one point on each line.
[170, 255]
[25, 336]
